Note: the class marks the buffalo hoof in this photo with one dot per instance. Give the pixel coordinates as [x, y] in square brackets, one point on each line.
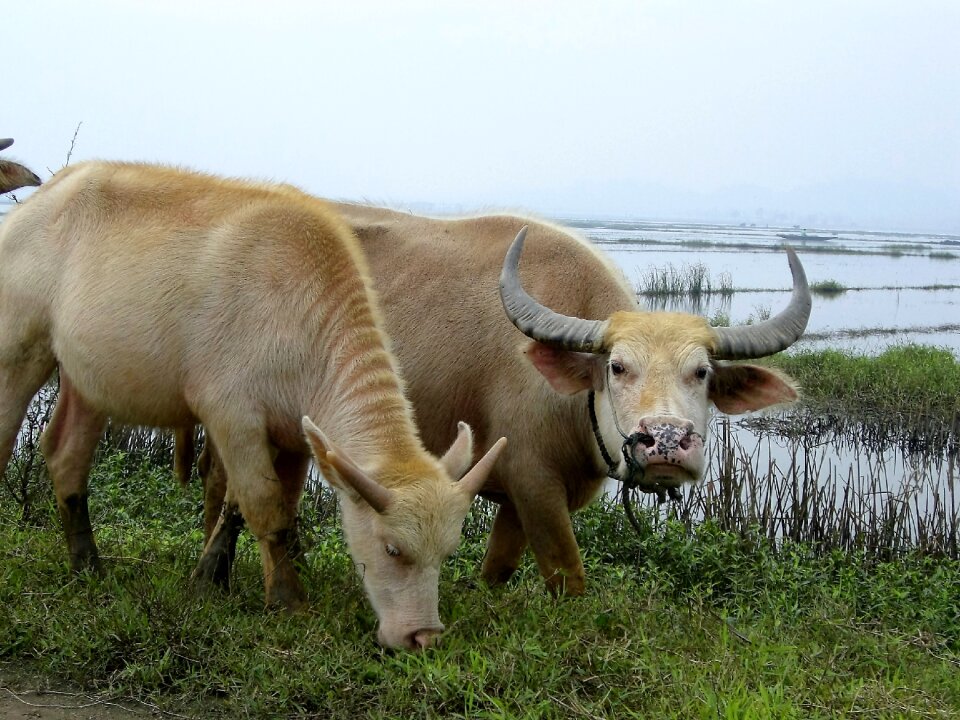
[498, 576]
[287, 596]
[216, 563]
[569, 585]
[213, 570]
[84, 558]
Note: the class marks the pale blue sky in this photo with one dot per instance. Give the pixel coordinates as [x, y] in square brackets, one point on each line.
[820, 112]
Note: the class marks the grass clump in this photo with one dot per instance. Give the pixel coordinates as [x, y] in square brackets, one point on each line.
[686, 281]
[827, 287]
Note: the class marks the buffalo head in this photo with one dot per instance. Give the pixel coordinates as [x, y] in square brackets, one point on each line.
[654, 374]
[401, 523]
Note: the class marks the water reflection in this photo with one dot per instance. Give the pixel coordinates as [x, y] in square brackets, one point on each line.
[828, 480]
[706, 305]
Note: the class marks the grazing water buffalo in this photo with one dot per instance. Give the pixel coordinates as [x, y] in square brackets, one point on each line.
[624, 393]
[14, 176]
[169, 298]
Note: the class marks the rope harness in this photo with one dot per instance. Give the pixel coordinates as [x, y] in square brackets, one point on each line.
[634, 478]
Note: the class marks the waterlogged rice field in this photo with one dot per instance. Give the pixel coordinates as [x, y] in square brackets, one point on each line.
[797, 473]
[903, 287]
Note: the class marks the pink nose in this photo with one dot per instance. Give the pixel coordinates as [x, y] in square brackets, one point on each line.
[666, 440]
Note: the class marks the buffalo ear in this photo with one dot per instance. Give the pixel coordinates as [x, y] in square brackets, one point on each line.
[457, 459]
[736, 389]
[568, 372]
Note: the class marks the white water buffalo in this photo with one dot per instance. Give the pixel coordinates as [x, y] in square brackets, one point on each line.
[169, 298]
[647, 378]
[13, 175]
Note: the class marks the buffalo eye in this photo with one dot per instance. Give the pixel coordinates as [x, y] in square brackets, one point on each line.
[392, 550]
[702, 373]
[616, 367]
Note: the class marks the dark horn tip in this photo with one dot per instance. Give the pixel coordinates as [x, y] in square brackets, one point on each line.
[5, 143]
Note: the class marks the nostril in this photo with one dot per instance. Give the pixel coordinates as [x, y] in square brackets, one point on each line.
[422, 639]
[645, 439]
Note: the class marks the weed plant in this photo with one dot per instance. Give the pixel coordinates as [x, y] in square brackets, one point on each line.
[692, 281]
[827, 287]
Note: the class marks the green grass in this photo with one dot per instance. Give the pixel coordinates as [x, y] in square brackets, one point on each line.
[909, 380]
[700, 624]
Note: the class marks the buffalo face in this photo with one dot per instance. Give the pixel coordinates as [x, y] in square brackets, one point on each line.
[400, 531]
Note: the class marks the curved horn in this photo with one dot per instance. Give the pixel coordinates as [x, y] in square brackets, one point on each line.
[773, 335]
[5, 143]
[539, 322]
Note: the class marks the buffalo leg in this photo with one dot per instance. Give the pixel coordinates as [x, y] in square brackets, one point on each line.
[255, 487]
[221, 523]
[291, 469]
[505, 546]
[214, 479]
[219, 540]
[19, 382]
[547, 525]
[227, 522]
[68, 444]
[220, 549]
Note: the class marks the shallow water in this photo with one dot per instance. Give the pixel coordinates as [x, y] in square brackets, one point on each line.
[889, 311]
[815, 483]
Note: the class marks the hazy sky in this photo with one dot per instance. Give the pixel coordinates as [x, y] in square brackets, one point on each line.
[818, 112]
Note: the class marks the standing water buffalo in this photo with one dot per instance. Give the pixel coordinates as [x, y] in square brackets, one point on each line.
[625, 395]
[169, 298]
[14, 176]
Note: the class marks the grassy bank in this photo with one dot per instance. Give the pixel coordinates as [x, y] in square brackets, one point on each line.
[674, 624]
[892, 250]
[910, 381]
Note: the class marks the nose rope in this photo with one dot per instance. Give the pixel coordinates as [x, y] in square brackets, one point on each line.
[595, 426]
[630, 442]
[613, 410]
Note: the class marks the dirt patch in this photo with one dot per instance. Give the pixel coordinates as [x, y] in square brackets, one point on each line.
[31, 698]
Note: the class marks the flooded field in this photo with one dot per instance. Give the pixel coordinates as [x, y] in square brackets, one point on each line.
[903, 287]
[832, 483]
